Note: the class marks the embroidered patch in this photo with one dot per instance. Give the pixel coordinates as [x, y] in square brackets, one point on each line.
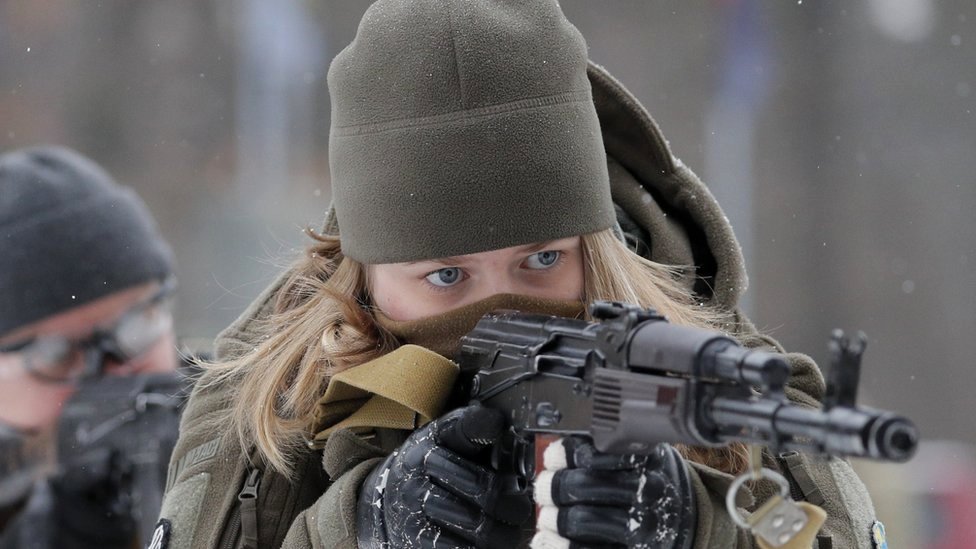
[878, 539]
[160, 537]
[195, 456]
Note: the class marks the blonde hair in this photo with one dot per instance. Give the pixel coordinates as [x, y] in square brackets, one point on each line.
[321, 324]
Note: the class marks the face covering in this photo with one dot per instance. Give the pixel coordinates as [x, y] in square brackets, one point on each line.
[442, 333]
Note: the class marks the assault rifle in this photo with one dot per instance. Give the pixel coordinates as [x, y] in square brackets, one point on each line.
[115, 436]
[630, 380]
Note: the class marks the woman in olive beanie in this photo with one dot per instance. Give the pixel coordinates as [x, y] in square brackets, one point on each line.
[479, 161]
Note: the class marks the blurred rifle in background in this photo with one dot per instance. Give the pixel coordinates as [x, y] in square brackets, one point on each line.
[114, 439]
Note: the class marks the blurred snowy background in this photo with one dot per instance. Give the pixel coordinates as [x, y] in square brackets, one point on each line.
[839, 136]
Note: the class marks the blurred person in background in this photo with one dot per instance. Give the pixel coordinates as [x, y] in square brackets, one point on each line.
[479, 162]
[89, 380]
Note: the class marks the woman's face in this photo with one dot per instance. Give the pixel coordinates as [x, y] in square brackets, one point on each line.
[418, 289]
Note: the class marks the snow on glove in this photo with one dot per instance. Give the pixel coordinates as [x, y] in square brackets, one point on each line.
[594, 500]
[437, 488]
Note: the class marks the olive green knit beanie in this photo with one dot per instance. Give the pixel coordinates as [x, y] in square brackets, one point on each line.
[460, 126]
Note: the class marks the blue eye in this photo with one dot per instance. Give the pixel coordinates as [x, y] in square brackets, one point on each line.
[448, 276]
[543, 260]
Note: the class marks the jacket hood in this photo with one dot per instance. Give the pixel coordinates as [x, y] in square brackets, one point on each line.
[660, 203]
[684, 223]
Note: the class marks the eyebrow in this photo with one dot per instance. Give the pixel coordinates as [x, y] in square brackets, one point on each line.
[459, 259]
[536, 247]
[451, 260]
[17, 345]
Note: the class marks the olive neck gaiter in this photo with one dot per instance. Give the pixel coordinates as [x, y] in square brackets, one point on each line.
[442, 333]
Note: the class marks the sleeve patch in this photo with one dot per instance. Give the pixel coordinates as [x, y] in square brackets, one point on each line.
[878, 538]
[160, 537]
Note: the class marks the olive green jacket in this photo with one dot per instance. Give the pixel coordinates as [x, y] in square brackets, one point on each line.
[218, 497]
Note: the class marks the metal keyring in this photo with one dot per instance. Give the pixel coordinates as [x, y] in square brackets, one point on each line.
[737, 483]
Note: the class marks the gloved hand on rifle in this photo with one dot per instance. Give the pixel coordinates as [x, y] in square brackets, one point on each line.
[438, 487]
[594, 500]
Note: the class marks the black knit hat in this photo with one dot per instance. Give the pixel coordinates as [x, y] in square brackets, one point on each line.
[69, 235]
[460, 127]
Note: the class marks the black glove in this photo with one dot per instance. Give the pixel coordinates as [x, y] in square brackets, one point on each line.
[93, 501]
[599, 500]
[438, 488]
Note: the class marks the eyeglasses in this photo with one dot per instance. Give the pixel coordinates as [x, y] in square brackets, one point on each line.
[58, 359]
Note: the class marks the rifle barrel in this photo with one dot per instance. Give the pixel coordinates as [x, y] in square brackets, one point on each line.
[856, 432]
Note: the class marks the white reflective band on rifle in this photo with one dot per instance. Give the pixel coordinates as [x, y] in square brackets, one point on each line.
[549, 540]
[548, 520]
[554, 456]
[542, 488]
